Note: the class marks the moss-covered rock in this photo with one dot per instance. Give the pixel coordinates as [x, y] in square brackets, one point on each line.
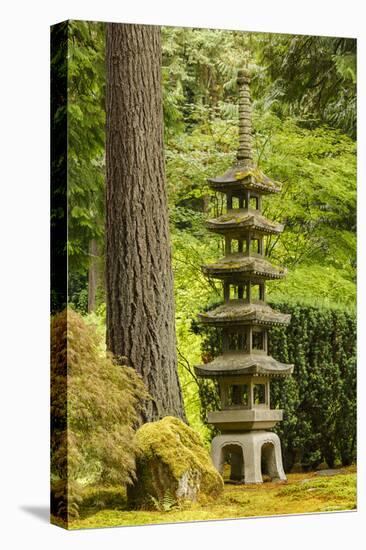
[172, 460]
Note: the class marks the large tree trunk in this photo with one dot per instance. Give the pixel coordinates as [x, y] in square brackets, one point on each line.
[140, 300]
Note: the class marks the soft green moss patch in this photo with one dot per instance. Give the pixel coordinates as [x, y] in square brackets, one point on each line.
[259, 177]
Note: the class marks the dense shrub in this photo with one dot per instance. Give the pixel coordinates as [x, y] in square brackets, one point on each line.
[319, 399]
[95, 405]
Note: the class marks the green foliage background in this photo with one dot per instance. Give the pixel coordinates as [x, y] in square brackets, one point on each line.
[304, 129]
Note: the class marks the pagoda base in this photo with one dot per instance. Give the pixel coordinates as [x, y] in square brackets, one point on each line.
[248, 450]
[241, 420]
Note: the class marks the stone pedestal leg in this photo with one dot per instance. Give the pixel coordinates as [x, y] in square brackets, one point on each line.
[217, 454]
[252, 460]
[277, 456]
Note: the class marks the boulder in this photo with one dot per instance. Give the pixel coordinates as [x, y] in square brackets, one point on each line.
[172, 461]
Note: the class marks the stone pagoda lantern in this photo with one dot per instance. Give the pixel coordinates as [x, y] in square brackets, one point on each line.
[244, 369]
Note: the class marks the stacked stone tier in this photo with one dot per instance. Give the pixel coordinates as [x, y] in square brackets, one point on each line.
[244, 420]
[240, 312]
[238, 363]
[239, 222]
[236, 268]
[244, 177]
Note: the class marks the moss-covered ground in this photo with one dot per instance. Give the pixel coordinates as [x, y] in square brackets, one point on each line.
[302, 493]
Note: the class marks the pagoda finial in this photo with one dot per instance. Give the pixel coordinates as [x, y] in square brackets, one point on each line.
[244, 153]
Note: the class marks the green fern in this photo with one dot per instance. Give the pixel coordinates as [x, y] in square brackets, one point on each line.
[166, 503]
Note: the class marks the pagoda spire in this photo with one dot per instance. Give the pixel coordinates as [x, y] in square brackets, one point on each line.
[244, 154]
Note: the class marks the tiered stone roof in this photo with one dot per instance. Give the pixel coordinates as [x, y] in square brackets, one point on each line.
[237, 364]
[236, 267]
[239, 312]
[245, 176]
[234, 221]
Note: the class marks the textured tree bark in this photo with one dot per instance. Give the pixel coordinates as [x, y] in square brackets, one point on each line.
[93, 274]
[139, 279]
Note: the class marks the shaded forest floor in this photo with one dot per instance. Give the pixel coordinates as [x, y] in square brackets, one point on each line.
[302, 493]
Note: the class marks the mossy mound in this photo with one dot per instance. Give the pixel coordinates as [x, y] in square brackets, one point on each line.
[172, 461]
